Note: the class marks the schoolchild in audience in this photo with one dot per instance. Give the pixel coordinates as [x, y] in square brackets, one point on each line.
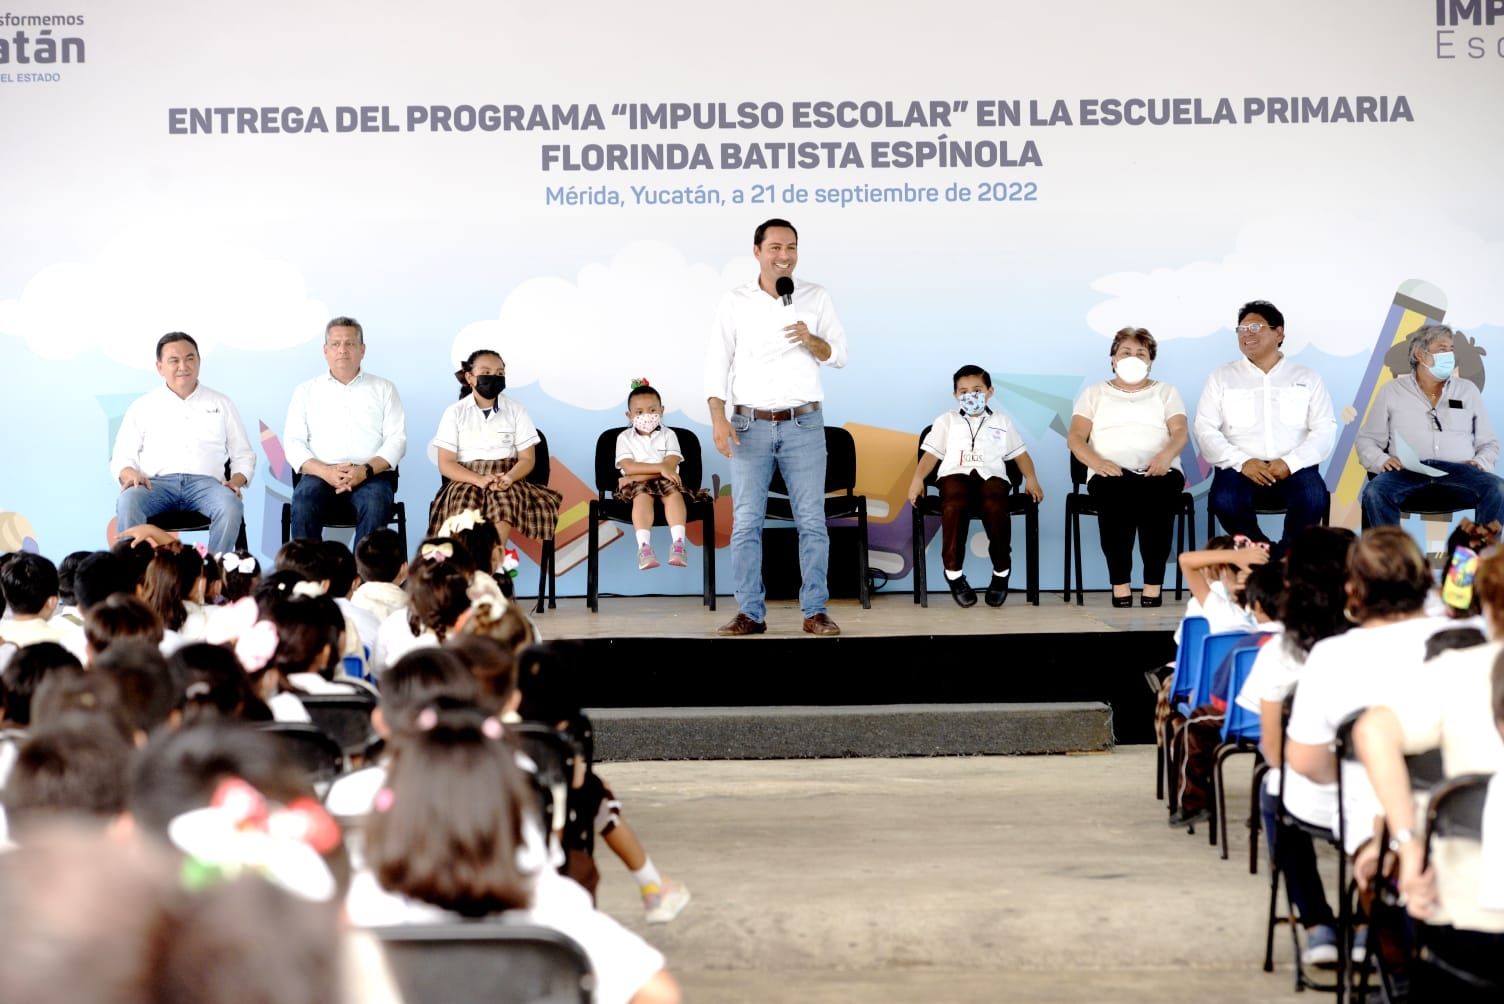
[383, 567]
[342, 575]
[29, 583]
[118, 616]
[312, 560]
[968, 449]
[548, 677]
[173, 587]
[482, 548]
[449, 839]
[438, 584]
[213, 685]
[67, 605]
[240, 573]
[101, 575]
[74, 768]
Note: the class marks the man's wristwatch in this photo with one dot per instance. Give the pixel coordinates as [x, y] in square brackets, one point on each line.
[370, 471]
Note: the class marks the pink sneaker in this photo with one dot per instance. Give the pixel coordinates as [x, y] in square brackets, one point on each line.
[678, 555]
[646, 559]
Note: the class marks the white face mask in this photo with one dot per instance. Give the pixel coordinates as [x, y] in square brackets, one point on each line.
[1131, 369]
[646, 422]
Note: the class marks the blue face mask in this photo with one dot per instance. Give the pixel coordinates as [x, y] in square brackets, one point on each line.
[1442, 364]
[973, 402]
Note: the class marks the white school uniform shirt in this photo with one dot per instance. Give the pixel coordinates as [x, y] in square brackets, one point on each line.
[341, 423]
[1245, 414]
[1358, 669]
[162, 433]
[496, 434]
[653, 448]
[992, 432]
[752, 362]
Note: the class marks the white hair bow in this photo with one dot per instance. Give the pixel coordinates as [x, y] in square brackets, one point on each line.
[232, 562]
[465, 520]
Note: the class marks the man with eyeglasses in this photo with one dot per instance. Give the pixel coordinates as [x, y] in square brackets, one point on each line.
[1434, 416]
[1265, 423]
[346, 432]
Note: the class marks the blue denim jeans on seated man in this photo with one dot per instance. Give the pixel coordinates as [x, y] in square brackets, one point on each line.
[1469, 487]
[197, 492]
[311, 499]
[797, 447]
[1235, 499]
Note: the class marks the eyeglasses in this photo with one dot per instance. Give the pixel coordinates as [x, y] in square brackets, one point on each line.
[1250, 329]
[1435, 420]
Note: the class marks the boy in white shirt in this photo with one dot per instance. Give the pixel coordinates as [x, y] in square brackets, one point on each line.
[971, 447]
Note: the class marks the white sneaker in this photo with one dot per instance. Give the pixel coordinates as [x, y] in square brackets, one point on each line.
[1321, 947]
[665, 904]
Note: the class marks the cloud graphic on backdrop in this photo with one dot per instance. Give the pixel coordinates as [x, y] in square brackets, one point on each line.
[646, 312]
[142, 287]
[1332, 276]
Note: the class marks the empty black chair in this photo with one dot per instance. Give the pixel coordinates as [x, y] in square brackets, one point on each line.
[1019, 504]
[345, 718]
[606, 506]
[841, 499]
[314, 749]
[1080, 503]
[340, 512]
[477, 962]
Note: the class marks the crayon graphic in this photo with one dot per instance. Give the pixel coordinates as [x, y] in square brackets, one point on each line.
[1416, 303]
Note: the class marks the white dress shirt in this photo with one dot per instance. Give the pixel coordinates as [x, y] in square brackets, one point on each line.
[993, 433]
[752, 362]
[165, 434]
[1246, 414]
[472, 434]
[342, 423]
[1130, 427]
[653, 448]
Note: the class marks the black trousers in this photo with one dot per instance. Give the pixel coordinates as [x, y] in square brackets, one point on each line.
[1136, 504]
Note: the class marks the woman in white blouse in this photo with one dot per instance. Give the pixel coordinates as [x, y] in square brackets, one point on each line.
[1129, 432]
[485, 447]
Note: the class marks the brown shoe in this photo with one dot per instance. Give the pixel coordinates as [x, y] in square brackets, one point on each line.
[741, 624]
[821, 625]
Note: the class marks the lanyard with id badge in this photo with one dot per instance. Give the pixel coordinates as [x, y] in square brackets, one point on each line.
[970, 455]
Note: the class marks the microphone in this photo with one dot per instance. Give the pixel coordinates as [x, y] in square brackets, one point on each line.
[785, 288]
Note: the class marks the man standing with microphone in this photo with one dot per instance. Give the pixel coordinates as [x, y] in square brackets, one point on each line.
[770, 339]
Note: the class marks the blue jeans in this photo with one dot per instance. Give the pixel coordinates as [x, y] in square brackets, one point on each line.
[797, 449]
[197, 492]
[1464, 484]
[1296, 854]
[1234, 498]
[314, 497]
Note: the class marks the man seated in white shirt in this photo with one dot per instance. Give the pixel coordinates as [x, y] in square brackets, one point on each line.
[1265, 423]
[172, 446]
[346, 432]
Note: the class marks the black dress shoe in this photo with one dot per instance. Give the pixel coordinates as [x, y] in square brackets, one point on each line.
[1123, 601]
[961, 591]
[997, 591]
[1151, 601]
[1188, 819]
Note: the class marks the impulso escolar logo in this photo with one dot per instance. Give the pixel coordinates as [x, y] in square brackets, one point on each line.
[1469, 29]
[37, 48]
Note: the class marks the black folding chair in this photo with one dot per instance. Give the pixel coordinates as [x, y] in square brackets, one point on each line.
[1455, 812]
[1080, 503]
[314, 749]
[1019, 504]
[841, 500]
[345, 718]
[606, 506]
[193, 521]
[554, 758]
[340, 512]
[478, 962]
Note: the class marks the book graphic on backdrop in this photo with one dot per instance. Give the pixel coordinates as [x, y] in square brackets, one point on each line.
[571, 543]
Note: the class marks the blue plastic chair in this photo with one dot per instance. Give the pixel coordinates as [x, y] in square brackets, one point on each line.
[1214, 648]
[1240, 734]
[1193, 630]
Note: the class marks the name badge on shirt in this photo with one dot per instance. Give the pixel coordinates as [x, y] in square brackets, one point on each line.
[972, 458]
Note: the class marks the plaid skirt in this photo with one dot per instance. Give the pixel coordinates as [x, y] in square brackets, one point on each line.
[530, 510]
[629, 490]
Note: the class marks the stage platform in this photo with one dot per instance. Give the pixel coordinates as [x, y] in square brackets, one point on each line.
[662, 654]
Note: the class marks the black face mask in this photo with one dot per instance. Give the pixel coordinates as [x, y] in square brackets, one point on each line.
[491, 385]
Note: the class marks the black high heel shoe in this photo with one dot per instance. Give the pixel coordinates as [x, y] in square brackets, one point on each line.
[1151, 601]
[1123, 601]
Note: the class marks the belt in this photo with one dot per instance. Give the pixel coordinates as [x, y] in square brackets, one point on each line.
[778, 415]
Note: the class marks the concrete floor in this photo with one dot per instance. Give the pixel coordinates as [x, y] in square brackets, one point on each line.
[1038, 879]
